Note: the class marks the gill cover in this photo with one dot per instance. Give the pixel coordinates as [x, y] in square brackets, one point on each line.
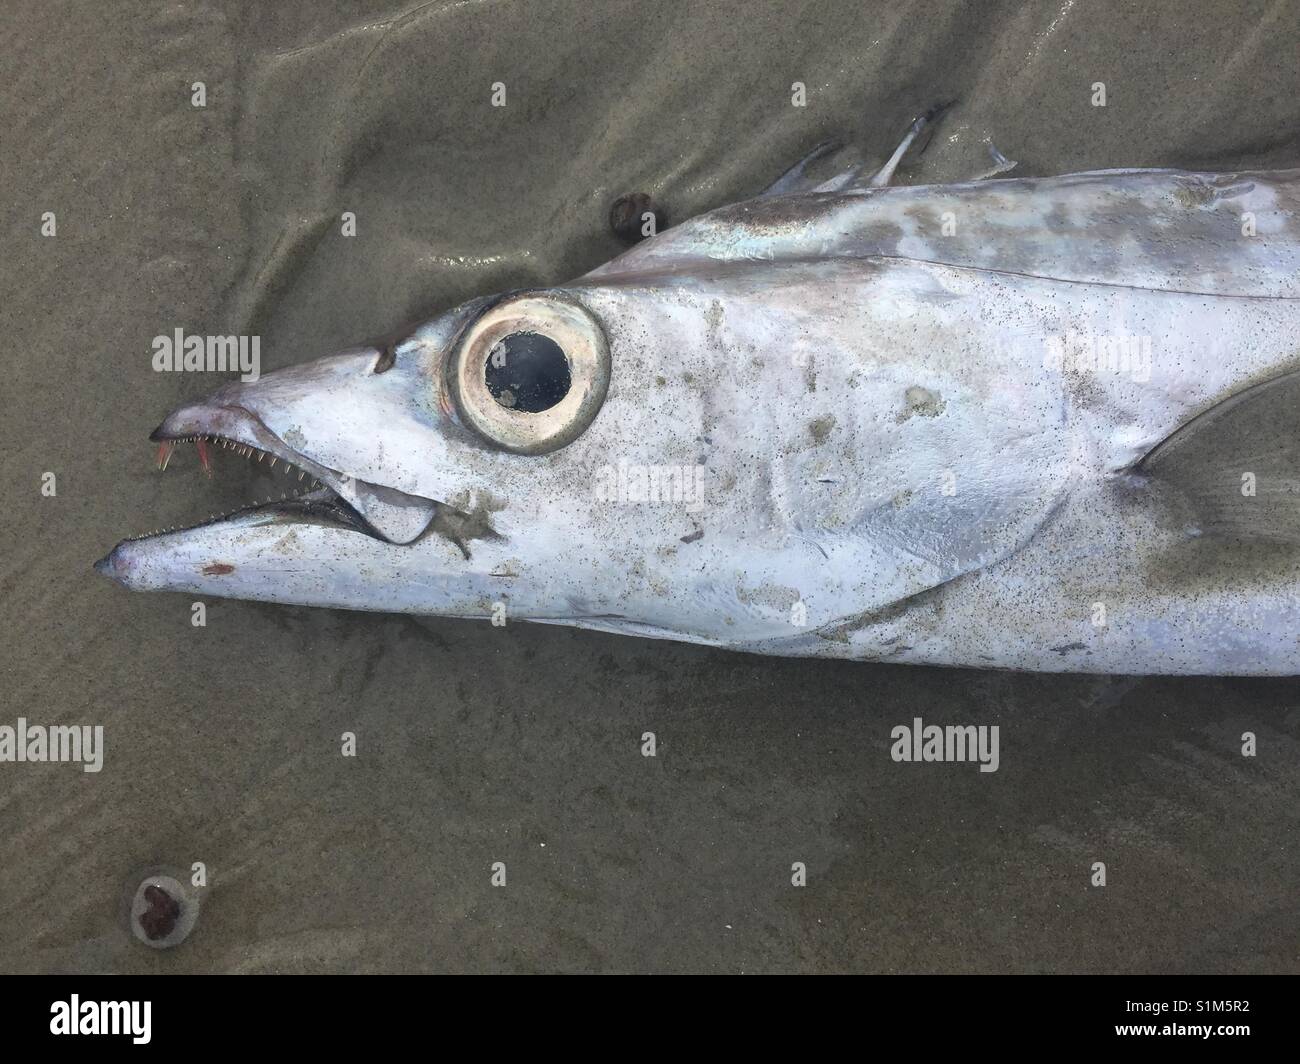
[530, 373]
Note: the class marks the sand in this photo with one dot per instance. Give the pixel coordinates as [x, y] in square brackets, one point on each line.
[522, 745]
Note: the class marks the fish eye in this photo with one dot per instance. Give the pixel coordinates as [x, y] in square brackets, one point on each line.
[530, 373]
[527, 371]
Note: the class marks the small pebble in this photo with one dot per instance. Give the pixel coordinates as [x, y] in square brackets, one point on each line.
[159, 919]
[627, 217]
[163, 911]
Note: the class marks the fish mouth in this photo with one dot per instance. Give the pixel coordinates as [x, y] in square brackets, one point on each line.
[311, 493]
[307, 498]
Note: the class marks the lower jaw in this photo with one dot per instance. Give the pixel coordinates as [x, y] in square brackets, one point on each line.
[270, 558]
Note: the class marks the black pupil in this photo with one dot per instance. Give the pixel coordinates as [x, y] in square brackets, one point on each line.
[527, 371]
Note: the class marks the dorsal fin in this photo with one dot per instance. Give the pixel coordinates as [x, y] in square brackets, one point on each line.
[1237, 465]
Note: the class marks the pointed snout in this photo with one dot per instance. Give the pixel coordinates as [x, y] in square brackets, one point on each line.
[119, 565]
[107, 565]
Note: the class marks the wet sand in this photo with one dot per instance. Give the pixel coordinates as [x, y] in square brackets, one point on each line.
[521, 744]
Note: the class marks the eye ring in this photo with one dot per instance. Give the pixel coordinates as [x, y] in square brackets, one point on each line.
[555, 323]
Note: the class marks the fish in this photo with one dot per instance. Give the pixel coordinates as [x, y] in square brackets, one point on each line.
[1027, 423]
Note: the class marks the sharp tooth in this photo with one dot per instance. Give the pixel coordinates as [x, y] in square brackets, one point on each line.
[302, 473]
[272, 463]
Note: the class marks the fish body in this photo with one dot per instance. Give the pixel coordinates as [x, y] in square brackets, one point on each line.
[1007, 423]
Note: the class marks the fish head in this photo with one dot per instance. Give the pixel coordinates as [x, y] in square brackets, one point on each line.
[539, 452]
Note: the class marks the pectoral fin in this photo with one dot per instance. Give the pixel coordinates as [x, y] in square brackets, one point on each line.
[1236, 467]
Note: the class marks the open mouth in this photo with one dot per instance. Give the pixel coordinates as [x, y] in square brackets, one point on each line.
[286, 489]
[303, 495]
